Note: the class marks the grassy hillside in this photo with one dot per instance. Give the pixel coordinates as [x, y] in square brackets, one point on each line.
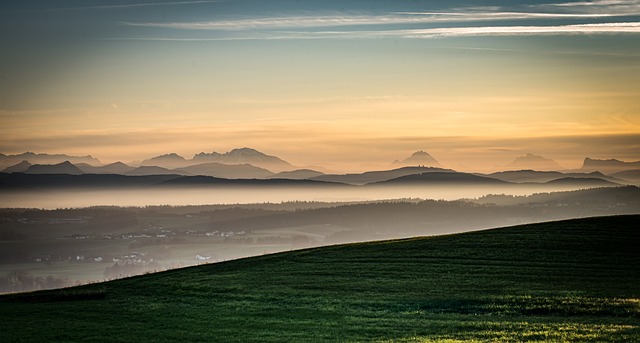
[572, 280]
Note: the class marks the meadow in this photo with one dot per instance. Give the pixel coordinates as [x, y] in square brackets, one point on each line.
[574, 280]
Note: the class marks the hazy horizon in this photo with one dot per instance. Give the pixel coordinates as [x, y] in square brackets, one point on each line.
[346, 86]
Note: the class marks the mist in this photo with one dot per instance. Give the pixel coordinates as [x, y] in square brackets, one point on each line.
[182, 196]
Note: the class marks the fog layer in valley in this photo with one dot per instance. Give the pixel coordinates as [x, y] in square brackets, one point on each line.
[179, 196]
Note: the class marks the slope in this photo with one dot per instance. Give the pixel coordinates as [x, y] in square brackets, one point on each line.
[572, 280]
[377, 176]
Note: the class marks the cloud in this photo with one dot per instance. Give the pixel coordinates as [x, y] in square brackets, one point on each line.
[600, 28]
[598, 3]
[617, 7]
[584, 17]
[397, 18]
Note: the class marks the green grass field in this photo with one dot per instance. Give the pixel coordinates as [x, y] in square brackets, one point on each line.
[576, 280]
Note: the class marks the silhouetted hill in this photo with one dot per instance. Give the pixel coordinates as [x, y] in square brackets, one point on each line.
[630, 175]
[33, 158]
[586, 182]
[169, 161]
[53, 181]
[597, 175]
[554, 281]
[376, 176]
[18, 168]
[113, 168]
[608, 166]
[36, 181]
[214, 181]
[533, 162]
[60, 168]
[443, 178]
[419, 158]
[300, 174]
[602, 198]
[219, 170]
[242, 156]
[527, 176]
[153, 170]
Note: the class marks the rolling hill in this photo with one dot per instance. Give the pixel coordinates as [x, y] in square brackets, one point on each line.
[65, 167]
[233, 171]
[18, 181]
[630, 175]
[18, 168]
[572, 280]
[609, 166]
[534, 176]
[582, 182]
[151, 170]
[442, 178]
[112, 168]
[298, 174]
[377, 176]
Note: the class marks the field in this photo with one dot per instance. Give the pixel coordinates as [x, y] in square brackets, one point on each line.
[574, 280]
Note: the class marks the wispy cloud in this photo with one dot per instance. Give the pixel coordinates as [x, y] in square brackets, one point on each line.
[583, 17]
[620, 7]
[601, 28]
[397, 18]
[601, 3]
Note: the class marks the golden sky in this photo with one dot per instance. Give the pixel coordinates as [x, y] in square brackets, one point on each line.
[348, 87]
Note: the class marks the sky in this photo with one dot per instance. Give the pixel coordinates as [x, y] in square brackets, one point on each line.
[347, 85]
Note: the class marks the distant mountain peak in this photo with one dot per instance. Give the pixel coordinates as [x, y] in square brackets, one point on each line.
[170, 156]
[245, 155]
[534, 162]
[65, 167]
[18, 168]
[531, 157]
[419, 157]
[245, 150]
[171, 160]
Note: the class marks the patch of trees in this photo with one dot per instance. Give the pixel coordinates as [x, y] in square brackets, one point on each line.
[21, 281]
[118, 270]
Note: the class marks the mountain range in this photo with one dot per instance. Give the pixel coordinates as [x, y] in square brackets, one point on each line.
[33, 158]
[67, 175]
[247, 163]
[233, 157]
